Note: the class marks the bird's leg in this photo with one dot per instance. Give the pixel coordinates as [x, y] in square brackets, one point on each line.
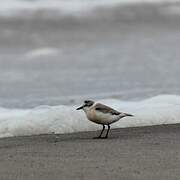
[101, 132]
[107, 131]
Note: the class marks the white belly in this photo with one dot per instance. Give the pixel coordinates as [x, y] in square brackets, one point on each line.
[102, 118]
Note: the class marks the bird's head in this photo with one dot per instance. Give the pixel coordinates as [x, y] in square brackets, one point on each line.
[87, 104]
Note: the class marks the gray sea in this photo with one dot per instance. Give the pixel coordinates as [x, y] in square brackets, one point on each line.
[128, 52]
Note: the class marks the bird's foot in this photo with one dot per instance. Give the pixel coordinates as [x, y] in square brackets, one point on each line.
[105, 137]
[99, 137]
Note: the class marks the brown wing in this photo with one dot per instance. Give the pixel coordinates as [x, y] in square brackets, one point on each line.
[106, 109]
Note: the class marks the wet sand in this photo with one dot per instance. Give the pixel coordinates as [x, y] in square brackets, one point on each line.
[131, 153]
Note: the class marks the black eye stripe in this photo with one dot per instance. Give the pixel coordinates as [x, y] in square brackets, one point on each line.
[86, 105]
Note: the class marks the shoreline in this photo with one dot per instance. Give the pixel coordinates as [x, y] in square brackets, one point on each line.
[112, 134]
[129, 153]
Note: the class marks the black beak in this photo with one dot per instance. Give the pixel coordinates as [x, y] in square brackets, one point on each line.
[80, 108]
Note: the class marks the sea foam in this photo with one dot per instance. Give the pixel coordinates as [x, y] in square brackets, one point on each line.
[41, 52]
[162, 109]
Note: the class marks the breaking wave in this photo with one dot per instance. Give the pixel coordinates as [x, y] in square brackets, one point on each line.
[162, 109]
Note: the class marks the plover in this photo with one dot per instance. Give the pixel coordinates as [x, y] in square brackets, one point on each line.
[101, 114]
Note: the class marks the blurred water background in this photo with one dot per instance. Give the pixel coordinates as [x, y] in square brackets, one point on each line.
[61, 52]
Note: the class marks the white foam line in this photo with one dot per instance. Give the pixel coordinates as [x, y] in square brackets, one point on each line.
[46, 51]
[163, 109]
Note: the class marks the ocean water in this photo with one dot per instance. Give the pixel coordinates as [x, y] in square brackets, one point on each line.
[55, 55]
[71, 7]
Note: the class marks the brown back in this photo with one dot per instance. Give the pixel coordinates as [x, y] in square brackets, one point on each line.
[106, 109]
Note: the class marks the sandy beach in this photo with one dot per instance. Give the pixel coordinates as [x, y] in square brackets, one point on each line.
[130, 153]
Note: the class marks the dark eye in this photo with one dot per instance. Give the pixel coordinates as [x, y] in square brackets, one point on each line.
[88, 103]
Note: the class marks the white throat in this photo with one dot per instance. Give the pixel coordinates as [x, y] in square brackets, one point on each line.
[86, 109]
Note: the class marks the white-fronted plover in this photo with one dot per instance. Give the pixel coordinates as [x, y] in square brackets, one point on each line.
[101, 114]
